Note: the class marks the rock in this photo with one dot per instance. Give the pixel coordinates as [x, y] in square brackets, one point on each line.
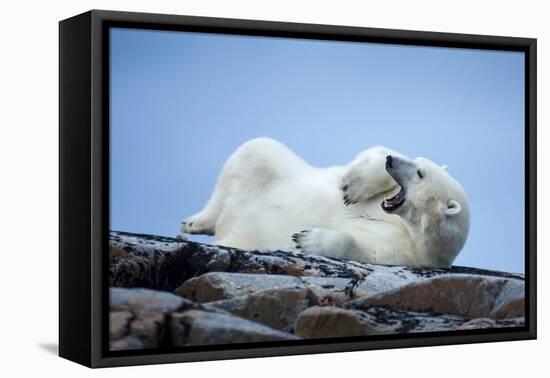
[512, 309]
[273, 300]
[329, 321]
[479, 323]
[127, 343]
[148, 327]
[139, 260]
[219, 285]
[119, 323]
[276, 308]
[460, 294]
[195, 327]
[482, 323]
[144, 300]
[140, 315]
[511, 301]
[385, 278]
[226, 295]
[336, 291]
[235, 305]
[165, 263]
[323, 322]
[330, 290]
[143, 318]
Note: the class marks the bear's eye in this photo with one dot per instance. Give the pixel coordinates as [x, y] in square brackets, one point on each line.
[420, 173]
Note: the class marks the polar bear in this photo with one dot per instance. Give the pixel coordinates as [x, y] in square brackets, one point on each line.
[381, 208]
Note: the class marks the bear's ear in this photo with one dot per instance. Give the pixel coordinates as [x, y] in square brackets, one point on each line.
[445, 167]
[453, 207]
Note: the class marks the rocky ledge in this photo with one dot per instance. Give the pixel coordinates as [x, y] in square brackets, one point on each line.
[169, 292]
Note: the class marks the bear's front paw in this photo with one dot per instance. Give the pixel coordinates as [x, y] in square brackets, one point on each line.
[309, 241]
[348, 195]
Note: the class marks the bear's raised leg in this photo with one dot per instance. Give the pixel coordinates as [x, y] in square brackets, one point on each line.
[329, 243]
[367, 176]
[245, 175]
[204, 222]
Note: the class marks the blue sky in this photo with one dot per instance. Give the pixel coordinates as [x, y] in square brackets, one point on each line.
[182, 102]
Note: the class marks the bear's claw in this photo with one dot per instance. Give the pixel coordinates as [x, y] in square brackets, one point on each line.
[297, 238]
[347, 196]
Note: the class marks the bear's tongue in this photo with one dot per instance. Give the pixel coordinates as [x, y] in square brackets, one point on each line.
[394, 202]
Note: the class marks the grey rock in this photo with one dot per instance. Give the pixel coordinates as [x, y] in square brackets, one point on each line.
[219, 285]
[330, 290]
[144, 300]
[323, 322]
[140, 315]
[440, 294]
[195, 327]
[459, 294]
[165, 263]
[127, 343]
[336, 291]
[277, 308]
[226, 295]
[234, 305]
[329, 321]
[149, 327]
[119, 324]
[483, 323]
[143, 318]
[510, 303]
[470, 295]
[273, 300]
[385, 278]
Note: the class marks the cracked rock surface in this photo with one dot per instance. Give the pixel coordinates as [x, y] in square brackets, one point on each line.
[168, 292]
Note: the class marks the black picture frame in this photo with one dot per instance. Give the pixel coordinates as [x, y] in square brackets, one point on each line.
[84, 194]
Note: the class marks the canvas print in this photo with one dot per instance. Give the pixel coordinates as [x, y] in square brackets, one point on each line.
[274, 190]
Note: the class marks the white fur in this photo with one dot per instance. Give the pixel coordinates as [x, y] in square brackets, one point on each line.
[267, 197]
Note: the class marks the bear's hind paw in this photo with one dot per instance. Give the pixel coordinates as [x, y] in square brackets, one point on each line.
[196, 225]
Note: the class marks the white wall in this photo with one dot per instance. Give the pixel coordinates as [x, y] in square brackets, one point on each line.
[28, 200]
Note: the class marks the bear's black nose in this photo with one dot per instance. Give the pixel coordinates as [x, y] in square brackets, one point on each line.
[389, 161]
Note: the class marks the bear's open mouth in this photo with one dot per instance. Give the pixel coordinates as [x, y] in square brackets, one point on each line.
[392, 203]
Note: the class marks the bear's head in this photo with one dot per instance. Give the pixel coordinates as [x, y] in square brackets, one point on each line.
[432, 205]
